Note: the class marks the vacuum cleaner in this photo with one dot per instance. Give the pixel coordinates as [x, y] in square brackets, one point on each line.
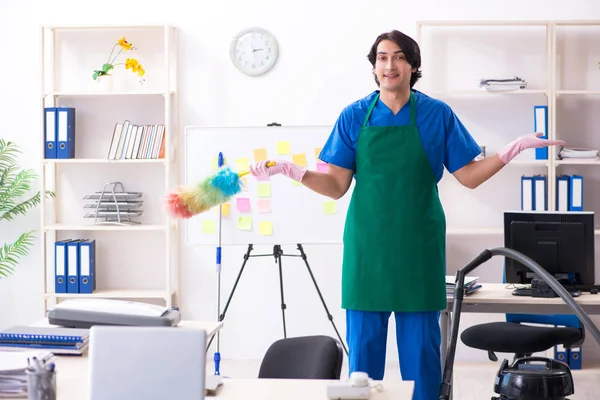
[527, 378]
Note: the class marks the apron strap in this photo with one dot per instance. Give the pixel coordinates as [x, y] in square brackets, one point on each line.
[370, 110]
[413, 109]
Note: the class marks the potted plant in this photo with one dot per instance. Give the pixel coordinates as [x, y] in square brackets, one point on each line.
[103, 75]
[14, 187]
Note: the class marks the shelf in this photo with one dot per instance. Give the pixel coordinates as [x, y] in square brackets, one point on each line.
[482, 92]
[102, 27]
[575, 161]
[124, 294]
[482, 23]
[80, 227]
[105, 94]
[104, 161]
[579, 92]
[475, 231]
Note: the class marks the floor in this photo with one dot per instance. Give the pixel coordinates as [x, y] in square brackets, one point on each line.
[471, 381]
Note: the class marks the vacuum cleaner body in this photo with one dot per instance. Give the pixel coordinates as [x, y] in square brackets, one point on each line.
[534, 378]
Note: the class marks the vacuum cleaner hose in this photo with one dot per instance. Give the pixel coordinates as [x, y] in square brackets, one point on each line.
[446, 386]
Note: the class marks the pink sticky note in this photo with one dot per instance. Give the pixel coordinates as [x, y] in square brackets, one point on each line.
[243, 204]
[322, 167]
[264, 205]
[263, 178]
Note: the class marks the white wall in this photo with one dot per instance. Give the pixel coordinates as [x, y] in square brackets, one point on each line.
[322, 68]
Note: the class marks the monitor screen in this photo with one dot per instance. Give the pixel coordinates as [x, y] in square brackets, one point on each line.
[560, 242]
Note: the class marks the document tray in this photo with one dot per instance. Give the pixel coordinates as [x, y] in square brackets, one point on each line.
[85, 313]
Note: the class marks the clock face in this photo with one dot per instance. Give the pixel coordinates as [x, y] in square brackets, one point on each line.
[254, 51]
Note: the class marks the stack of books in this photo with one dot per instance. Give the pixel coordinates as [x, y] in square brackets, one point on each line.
[471, 285]
[56, 340]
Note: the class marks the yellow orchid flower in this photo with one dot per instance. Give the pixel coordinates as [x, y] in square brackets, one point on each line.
[124, 43]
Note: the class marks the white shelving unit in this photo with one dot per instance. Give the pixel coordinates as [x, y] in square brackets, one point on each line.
[132, 262]
[559, 60]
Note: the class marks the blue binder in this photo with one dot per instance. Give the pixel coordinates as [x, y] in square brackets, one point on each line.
[60, 266]
[563, 184]
[527, 193]
[65, 129]
[540, 198]
[576, 193]
[575, 358]
[540, 124]
[561, 354]
[73, 266]
[50, 132]
[87, 266]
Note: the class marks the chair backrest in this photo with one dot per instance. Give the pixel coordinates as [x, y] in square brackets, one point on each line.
[305, 357]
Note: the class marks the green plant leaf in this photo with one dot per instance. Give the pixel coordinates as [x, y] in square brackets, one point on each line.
[107, 67]
[10, 253]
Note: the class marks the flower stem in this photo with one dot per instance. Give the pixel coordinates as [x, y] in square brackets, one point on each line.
[120, 50]
[111, 52]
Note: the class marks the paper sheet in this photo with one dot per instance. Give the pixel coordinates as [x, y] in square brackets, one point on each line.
[264, 190]
[245, 223]
[265, 228]
[260, 155]
[225, 208]
[242, 204]
[329, 207]
[264, 205]
[242, 164]
[299, 159]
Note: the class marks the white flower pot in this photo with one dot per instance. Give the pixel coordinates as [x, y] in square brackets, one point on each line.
[105, 83]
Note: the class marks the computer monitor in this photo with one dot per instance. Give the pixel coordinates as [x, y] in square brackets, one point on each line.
[560, 242]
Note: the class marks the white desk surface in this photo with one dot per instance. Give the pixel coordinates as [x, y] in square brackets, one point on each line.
[72, 380]
[211, 327]
[501, 293]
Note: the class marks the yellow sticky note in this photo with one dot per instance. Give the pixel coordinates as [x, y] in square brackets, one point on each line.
[299, 159]
[329, 207]
[283, 147]
[317, 152]
[242, 164]
[208, 226]
[265, 228]
[296, 183]
[260, 155]
[264, 190]
[225, 209]
[245, 223]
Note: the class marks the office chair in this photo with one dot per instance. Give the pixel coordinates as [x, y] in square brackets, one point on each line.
[523, 340]
[513, 336]
[305, 357]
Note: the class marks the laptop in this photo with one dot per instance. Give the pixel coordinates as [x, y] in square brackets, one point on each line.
[133, 362]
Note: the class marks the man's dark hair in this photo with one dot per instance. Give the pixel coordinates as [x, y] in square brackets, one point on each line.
[409, 47]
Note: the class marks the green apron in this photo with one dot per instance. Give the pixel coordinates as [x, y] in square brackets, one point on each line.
[395, 231]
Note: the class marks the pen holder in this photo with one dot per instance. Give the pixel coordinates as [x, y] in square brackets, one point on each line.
[41, 385]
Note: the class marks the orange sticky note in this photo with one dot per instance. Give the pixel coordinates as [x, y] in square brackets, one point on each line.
[299, 159]
[264, 205]
[260, 155]
[225, 209]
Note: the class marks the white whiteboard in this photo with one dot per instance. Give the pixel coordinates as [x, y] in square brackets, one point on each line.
[296, 214]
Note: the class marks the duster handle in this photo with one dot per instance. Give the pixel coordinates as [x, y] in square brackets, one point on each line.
[269, 164]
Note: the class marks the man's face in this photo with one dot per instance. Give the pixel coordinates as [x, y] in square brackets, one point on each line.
[391, 68]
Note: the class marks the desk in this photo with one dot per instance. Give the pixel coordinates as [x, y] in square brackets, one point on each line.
[72, 380]
[211, 327]
[497, 298]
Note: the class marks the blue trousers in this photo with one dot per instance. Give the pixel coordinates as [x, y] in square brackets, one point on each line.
[418, 336]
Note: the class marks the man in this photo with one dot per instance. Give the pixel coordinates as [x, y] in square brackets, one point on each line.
[396, 142]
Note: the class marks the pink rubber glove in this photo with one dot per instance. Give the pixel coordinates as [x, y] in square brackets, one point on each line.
[291, 170]
[529, 141]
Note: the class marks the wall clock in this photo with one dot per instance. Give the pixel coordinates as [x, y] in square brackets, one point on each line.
[254, 51]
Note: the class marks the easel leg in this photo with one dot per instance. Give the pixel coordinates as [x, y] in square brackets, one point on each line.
[329, 316]
[222, 316]
[277, 252]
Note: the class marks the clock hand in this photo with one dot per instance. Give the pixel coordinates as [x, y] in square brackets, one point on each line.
[253, 50]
